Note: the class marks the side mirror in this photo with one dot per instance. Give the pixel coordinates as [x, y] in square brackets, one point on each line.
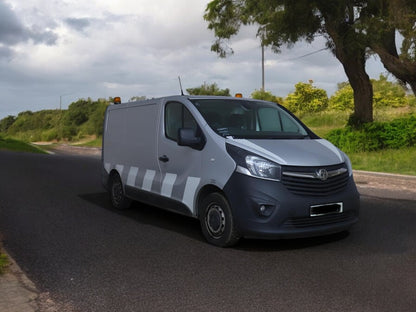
[188, 137]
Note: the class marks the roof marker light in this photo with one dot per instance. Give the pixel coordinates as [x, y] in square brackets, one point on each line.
[117, 100]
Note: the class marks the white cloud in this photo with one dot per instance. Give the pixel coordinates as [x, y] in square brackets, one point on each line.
[102, 48]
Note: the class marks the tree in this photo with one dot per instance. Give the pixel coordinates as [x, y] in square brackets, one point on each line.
[285, 22]
[208, 89]
[6, 122]
[266, 96]
[307, 98]
[383, 20]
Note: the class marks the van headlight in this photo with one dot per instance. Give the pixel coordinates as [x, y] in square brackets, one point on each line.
[347, 162]
[253, 165]
[262, 168]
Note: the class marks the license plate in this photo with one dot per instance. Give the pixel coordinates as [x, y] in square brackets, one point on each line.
[325, 209]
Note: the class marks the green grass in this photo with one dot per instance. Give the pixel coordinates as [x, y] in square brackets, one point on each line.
[4, 263]
[402, 161]
[18, 146]
[323, 122]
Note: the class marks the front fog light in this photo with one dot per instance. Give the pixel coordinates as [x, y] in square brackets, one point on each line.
[265, 210]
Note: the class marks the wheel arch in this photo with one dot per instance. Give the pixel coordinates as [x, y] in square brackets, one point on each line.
[203, 192]
[111, 174]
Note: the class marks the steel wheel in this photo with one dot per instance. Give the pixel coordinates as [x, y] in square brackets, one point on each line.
[217, 221]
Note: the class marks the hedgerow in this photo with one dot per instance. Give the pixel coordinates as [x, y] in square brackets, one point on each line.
[376, 136]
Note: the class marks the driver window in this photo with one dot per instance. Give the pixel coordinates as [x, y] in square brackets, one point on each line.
[177, 116]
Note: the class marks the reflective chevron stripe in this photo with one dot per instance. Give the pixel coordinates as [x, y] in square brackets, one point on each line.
[144, 179]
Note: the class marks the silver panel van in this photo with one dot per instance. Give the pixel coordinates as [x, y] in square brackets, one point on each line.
[243, 167]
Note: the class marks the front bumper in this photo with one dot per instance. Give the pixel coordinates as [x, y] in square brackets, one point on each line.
[267, 209]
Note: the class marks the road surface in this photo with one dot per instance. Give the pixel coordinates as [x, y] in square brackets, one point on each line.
[59, 226]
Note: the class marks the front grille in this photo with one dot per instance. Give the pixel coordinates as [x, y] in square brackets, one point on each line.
[304, 180]
[305, 222]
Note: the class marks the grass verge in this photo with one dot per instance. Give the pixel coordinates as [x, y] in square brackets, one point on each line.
[4, 261]
[18, 146]
[401, 161]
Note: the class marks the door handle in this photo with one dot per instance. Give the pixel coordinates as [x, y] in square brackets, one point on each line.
[164, 158]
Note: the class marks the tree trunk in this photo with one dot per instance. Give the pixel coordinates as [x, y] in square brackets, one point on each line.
[352, 57]
[402, 69]
[353, 61]
[363, 90]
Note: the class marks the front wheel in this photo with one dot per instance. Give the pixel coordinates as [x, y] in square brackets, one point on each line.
[117, 196]
[217, 221]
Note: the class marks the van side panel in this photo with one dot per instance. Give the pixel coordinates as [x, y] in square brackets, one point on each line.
[130, 144]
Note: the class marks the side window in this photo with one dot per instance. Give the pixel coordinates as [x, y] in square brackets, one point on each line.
[177, 116]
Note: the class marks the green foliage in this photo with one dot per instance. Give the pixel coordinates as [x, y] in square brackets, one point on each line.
[387, 93]
[29, 126]
[307, 98]
[375, 136]
[94, 124]
[342, 99]
[411, 99]
[6, 123]
[266, 96]
[208, 89]
[82, 118]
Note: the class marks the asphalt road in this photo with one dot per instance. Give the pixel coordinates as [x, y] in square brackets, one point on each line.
[59, 226]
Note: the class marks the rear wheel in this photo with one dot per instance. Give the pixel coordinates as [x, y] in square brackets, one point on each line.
[217, 221]
[117, 196]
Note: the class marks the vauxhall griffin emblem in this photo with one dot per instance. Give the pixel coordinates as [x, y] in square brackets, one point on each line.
[321, 174]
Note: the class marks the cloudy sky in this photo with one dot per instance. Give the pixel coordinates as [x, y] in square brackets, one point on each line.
[54, 52]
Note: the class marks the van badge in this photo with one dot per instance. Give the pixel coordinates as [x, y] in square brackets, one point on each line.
[321, 174]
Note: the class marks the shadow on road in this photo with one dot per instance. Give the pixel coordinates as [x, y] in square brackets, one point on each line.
[150, 215]
[289, 244]
[190, 227]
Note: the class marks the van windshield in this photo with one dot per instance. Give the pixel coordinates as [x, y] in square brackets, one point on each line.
[249, 119]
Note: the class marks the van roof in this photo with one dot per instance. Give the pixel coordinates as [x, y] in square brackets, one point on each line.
[189, 97]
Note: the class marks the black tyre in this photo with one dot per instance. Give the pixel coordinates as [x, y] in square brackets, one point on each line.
[217, 221]
[117, 196]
